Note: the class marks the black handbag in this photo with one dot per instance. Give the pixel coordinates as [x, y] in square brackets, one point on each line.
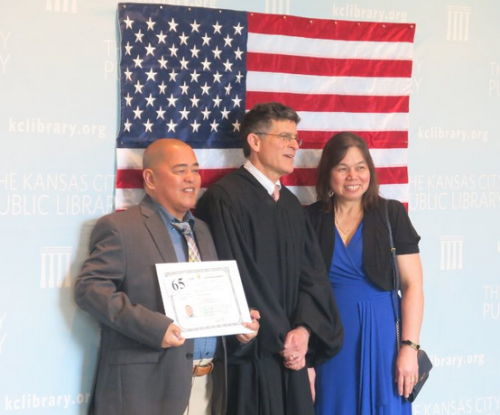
[424, 367]
[424, 363]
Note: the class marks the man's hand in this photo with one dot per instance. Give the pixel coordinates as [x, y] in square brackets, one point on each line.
[294, 353]
[173, 337]
[254, 325]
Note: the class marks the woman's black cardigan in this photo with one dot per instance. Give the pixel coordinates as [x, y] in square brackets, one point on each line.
[376, 246]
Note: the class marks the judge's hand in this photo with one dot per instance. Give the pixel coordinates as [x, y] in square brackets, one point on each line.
[173, 337]
[294, 353]
[312, 382]
[254, 325]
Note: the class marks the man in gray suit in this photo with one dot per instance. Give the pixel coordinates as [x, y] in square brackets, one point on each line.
[145, 365]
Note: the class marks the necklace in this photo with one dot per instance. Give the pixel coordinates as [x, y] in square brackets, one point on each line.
[346, 235]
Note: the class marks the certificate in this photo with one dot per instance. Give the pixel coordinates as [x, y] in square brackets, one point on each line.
[204, 298]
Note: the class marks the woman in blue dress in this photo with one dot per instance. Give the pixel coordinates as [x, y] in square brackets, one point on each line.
[369, 376]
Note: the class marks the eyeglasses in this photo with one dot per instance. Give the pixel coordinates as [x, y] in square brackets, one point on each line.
[285, 137]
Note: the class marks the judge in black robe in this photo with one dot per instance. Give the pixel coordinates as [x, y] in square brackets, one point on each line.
[284, 277]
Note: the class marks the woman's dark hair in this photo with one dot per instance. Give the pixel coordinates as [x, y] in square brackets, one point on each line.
[333, 153]
[260, 118]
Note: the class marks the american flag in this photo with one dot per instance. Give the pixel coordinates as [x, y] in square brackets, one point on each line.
[191, 73]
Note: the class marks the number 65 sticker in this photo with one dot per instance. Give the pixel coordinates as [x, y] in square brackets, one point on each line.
[178, 284]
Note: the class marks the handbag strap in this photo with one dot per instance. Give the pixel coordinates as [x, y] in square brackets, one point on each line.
[395, 273]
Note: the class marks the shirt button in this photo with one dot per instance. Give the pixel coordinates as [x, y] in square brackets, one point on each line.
[189, 356]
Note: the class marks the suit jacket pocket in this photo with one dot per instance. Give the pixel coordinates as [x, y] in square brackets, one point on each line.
[133, 356]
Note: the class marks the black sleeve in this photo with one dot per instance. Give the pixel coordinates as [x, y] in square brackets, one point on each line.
[317, 308]
[405, 236]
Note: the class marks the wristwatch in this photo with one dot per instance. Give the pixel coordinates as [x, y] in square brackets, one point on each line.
[411, 344]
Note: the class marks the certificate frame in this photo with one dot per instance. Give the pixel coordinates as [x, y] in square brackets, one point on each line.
[204, 299]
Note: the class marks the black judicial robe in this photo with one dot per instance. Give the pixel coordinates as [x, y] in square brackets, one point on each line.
[285, 278]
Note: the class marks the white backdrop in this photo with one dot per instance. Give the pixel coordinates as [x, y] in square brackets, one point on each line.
[58, 124]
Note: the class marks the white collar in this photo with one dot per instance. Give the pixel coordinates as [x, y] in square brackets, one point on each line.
[261, 177]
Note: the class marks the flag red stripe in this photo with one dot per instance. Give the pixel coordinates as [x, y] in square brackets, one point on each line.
[273, 24]
[132, 178]
[307, 177]
[392, 175]
[302, 65]
[128, 179]
[210, 176]
[375, 139]
[332, 103]
[385, 139]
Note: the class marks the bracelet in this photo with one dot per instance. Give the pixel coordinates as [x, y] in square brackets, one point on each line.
[411, 344]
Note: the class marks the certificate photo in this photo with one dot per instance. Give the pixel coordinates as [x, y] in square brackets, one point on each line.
[204, 298]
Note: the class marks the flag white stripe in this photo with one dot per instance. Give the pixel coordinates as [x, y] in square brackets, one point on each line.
[327, 85]
[307, 194]
[399, 192]
[344, 121]
[129, 158]
[326, 48]
[125, 198]
[220, 158]
[233, 158]
[389, 157]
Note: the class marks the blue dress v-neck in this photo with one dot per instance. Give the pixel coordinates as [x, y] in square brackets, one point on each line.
[359, 380]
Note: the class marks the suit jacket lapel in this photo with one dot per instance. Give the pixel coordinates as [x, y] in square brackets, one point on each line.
[156, 227]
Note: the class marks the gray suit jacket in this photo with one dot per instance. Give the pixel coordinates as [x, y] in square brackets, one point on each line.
[118, 286]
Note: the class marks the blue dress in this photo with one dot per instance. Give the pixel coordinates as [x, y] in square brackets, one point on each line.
[359, 380]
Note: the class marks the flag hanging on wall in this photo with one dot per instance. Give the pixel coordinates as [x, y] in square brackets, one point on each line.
[191, 73]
